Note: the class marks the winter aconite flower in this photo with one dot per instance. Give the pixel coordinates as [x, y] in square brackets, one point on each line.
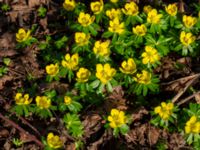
[22, 99]
[150, 55]
[192, 125]
[153, 17]
[67, 100]
[187, 38]
[71, 62]
[117, 118]
[113, 13]
[165, 110]
[140, 30]
[85, 19]
[130, 9]
[83, 75]
[102, 48]
[104, 72]
[69, 5]
[147, 9]
[114, 1]
[171, 9]
[97, 6]
[128, 67]
[116, 26]
[189, 21]
[81, 38]
[143, 78]
[22, 35]
[54, 141]
[52, 69]
[43, 102]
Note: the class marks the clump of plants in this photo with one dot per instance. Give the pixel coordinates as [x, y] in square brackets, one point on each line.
[114, 43]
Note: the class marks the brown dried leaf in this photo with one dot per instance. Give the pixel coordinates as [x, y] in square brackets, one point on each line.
[153, 135]
[3, 80]
[4, 133]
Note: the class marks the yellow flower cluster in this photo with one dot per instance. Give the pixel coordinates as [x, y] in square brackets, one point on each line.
[104, 72]
[116, 26]
[153, 17]
[81, 38]
[67, 100]
[69, 5]
[143, 78]
[22, 35]
[71, 62]
[52, 69]
[83, 75]
[113, 13]
[97, 6]
[43, 102]
[102, 48]
[192, 125]
[130, 9]
[21, 99]
[189, 21]
[150, 55]
[117, 118]
[128, 67]
[171, 9]
[54, 141]
[165, 110]
[85, 19]
[187, 38]
[140, 30]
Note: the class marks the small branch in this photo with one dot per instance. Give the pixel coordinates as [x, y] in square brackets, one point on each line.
[30, 136]
[189, 83]
[187, 98]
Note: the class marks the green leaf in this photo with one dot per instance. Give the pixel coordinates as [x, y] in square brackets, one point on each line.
[109, 87]
[95, 84]
[107, 34]
[124, 129]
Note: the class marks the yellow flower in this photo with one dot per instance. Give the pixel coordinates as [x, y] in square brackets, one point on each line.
[71, 62]
[128, 67]
[22, 100]
[43, 102]
[140, 30]
[150, 55]
[69, 5]
[81, 38]
[54, 141]
[104, 72]
[171, 9]
[85, 19]
[22, 35]
[130, 9]
[113, 13]
[187, 38]
[102, 48]
[165, 110]
[192, 125]
[83, 75]
[97, 6]
[67, 100]
[114, 1]
[116, 26]
[117, 118]
[153, 17]
[189, 21]
[147, 9]
[143, 78]
[52, 69]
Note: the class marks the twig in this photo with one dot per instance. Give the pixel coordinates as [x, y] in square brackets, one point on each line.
[189, 83]
[30, 136]
[188, 98]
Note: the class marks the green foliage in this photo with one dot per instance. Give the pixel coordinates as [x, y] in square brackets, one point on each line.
[74, 125]
[42, 11]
